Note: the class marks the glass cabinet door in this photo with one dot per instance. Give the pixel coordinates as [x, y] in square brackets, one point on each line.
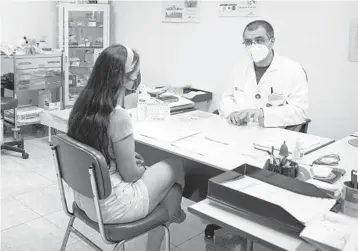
[85, 37]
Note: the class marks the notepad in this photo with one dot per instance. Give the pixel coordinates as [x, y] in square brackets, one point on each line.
[302, 207]
[332, 230]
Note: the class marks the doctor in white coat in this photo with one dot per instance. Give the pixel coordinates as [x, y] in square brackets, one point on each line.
[272, 89]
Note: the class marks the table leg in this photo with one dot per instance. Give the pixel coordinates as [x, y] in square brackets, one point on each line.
[247, 245]
[49, 134]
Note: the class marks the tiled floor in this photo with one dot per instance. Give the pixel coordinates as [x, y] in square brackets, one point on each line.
[32, 216]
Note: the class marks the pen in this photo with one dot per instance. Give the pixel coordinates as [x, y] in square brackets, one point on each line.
[264, 150]
[216, 141]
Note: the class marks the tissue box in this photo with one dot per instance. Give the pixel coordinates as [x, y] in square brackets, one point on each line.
[52, 106]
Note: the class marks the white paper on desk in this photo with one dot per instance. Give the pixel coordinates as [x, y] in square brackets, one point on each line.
[276, 136]
[189, 117]
[202, 145]
[192, 94]
[165, 131]
[302, 207]
[331, 231]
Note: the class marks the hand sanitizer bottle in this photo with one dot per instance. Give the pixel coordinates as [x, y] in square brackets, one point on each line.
[297, 153]
[142, 103]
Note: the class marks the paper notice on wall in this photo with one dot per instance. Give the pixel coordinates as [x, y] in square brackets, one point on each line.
[186, 11]
[241, 8]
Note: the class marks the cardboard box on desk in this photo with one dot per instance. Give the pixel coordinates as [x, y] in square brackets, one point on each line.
[260, 209]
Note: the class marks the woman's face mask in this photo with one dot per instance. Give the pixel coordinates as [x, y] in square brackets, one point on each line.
[130, 95]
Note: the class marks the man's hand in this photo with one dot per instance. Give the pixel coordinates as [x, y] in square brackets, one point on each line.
[242, 116]
[235, 118]
[139, 159]
[247, 114]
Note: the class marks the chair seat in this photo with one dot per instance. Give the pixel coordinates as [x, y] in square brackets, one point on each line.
[8, 103]
[126, 231]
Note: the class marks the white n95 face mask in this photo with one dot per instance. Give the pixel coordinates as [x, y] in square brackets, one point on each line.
[258, 52]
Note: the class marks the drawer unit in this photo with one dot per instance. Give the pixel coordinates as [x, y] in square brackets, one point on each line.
[37, 62]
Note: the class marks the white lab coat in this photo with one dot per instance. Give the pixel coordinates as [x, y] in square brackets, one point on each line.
[285, 77]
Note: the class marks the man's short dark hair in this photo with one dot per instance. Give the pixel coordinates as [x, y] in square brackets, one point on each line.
[260, 23]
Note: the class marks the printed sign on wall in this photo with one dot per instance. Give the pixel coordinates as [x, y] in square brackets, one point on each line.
[241, 8]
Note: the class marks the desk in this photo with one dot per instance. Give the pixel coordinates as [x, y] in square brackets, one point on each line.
[347, 153]
[268, 235]
[241, 139]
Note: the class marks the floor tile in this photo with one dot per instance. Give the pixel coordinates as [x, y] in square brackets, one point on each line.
[60, 219]
[35, 235]
[258, 247]
[10, 166]
[43, 201]
[200, 243]
[191, 227]
[14, 213]
[137, 244]
[46, 168]
[78, 246]
[14, 184]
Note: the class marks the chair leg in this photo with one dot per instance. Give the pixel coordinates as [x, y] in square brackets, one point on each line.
[210, 230]
[67, 234]
[167, 238]
[119, 246]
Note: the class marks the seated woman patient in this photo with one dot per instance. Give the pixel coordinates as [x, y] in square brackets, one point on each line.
[99, 120]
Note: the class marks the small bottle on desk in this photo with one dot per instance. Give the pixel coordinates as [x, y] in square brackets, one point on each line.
[297, 153]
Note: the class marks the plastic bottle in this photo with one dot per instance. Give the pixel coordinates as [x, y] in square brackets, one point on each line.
[142, 103]
[297, 153]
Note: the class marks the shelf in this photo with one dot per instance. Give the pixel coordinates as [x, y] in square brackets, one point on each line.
[81, 67]
[89, 27]
[86, 47]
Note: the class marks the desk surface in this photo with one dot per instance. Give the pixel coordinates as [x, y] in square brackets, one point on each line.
[266, 234]
[347, 153]
[241, 138]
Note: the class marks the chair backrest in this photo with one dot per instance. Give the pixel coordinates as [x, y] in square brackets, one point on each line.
[74, 160]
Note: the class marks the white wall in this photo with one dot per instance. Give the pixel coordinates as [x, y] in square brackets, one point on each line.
[35, 19]
[314, 33]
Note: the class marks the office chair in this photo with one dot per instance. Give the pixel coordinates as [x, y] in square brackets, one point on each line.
[8, 103]
[85, 170]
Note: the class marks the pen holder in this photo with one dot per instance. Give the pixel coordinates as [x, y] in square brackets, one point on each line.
[289, 170]
[350, 199]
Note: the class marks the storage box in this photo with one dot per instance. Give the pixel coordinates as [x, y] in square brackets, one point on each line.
[257, 208]
[52, 106]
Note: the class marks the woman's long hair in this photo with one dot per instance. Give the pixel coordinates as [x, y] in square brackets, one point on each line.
[89, 118]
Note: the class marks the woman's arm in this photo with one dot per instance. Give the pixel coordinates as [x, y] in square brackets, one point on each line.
[125, 159]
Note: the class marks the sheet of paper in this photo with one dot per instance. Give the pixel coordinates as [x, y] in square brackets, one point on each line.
[202, 145]
[192, 94]
[275, 137]
[166, 131]
[302, 207]
[321, 171]
[332, 230]
[189, 117]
